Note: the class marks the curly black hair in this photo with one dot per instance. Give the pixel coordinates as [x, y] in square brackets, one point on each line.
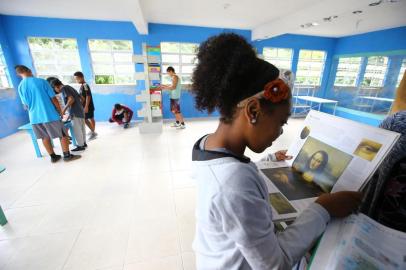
[227, 72]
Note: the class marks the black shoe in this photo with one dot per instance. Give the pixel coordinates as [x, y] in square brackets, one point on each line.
[55, 158]
[71, 157]
[79, 148]
[126, 125]
[85, 145]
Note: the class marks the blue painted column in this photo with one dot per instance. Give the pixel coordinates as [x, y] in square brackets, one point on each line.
[295, 60]
[328, 91]
[85, 59]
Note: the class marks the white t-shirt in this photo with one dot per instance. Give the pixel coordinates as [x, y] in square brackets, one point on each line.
[234, 228]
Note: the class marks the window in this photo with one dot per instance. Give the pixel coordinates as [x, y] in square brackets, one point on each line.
[279, 57]
[310, 67]
[401, 72]
[112, 61]
[4, 75]
[375, 71]
[182, 57]
[347, 71]
[57, 57]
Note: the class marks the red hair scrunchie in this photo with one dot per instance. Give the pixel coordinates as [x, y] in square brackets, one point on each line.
[276, 91]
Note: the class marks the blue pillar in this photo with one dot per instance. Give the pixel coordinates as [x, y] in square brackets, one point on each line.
[85, 59]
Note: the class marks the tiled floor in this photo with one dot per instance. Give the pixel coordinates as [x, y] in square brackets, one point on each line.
[127, 204]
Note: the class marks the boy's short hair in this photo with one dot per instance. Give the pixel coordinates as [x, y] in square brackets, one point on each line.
[22, 69]
[78, 74]
[170, 68]
[50, 79]
[55, 83]
[117, 106]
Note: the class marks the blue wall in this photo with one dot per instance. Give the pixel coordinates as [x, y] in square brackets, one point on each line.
[390, 43]
[378, 41]
[16, 29]
[298, 42]
[12, 114]
[19, 28]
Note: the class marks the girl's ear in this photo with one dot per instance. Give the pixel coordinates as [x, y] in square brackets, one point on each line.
[252, 110]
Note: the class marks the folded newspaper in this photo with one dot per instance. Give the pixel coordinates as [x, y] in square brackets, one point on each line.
[358, 242]
[330, 154]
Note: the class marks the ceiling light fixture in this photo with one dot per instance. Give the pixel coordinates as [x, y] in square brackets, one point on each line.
[356, 12]
[330, 18]
[307, 25]
[374, 4]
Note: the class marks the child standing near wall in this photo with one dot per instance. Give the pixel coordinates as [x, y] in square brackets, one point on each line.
[234, 228]
[88, 105]
[175, 93]
[73, 103]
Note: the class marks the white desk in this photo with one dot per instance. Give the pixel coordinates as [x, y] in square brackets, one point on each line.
[377, 98]
[320, 101]
[374, 99]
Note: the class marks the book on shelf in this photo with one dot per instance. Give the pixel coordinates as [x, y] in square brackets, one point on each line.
[154, 69]
[330, 154]
[359, 242]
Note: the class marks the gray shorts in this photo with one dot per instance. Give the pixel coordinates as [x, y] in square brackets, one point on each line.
[51, 130]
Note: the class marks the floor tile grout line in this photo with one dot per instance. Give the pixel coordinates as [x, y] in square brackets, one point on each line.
[179, 233]
[71, 249]
[29, 188]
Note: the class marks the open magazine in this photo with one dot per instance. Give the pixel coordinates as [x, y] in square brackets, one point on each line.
[358, 242]
[330, 154]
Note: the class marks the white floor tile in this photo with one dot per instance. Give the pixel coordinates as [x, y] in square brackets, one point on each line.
[169, 263]
[128, 203]
[189, 261]
[21, 222]
[151, 239]
[96, 249]
[44, 252]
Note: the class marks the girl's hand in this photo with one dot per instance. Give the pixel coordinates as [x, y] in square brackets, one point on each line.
[281, 155]
[340, 204]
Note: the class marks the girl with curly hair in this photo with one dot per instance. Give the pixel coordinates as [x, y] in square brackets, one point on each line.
[234, 228]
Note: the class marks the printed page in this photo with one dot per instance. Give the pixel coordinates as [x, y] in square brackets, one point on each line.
[330, 154]
[358, 242]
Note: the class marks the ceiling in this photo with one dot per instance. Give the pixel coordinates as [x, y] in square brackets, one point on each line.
[266, 18]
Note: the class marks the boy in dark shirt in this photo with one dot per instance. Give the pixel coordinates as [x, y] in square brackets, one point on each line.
[73, 103]
[87, 102]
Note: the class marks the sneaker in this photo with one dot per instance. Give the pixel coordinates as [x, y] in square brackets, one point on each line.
[181, 126]
[126, 125]
[79, 148]
[71, 157]
[56, 158]
[175, 125]
[85, 145]
[89, 133]
[92, 136]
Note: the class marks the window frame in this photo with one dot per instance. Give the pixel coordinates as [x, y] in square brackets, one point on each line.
[401, 72]
[321, 76]
[59, 73]
[111, 51]
[179, 64]
[361, 84]
[277, 57]
[357, 70]
[3, 65]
